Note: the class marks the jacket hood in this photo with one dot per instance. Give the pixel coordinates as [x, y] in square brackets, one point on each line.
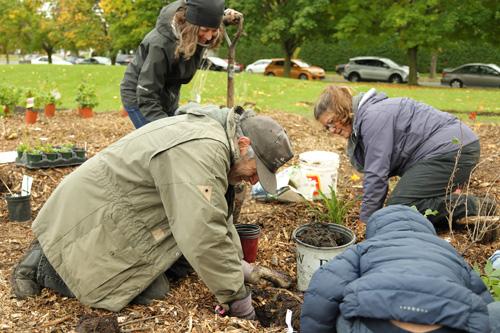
[370, 97]
[398, 218]
[164, 21]
[224, 116]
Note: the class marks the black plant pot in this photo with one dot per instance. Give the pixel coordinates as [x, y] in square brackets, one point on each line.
[19, 207]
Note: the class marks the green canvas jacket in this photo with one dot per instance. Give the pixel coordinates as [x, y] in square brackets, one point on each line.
[127, 214]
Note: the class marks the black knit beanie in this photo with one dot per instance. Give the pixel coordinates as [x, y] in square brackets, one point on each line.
[205, 13]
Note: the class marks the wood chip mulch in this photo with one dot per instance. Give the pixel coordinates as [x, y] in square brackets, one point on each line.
[189, 307]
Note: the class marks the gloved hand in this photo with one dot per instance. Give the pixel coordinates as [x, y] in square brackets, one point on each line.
[242, 308]
[253, 274]
[231, 16]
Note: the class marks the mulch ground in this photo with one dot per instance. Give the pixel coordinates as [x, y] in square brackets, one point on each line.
[189, 307]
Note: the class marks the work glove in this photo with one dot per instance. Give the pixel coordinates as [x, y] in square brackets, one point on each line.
[231, 16]
[241, 308]
[253, 274]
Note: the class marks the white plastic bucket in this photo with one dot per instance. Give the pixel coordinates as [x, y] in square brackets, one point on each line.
[310, 258]
[321, 168]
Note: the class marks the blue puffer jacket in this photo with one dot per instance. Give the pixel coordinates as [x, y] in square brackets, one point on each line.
[403, 271]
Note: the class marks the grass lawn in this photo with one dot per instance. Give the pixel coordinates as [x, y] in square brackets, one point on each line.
[265, 93]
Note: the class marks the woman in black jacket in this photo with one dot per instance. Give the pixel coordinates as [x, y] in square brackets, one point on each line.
[169, 56]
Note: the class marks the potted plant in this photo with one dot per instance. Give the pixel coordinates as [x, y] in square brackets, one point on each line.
[34, 155]
[49, 151]
[9, 98]
[50, 99]
[32, 105]
[21, 149]
[86, 100]
[324, 238]
[66, 150]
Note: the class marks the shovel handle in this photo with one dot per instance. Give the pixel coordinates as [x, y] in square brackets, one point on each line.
[230, 62]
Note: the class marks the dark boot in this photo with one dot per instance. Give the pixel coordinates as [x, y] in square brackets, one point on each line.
[158, 289]
[24, 275]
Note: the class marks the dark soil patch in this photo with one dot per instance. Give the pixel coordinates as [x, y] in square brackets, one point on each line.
[271, 305]
[321, 235]
[93, 324]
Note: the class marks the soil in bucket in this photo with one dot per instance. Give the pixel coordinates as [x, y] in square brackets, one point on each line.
[316, 244]
[249, 237]
[319, 234]
[19, 207]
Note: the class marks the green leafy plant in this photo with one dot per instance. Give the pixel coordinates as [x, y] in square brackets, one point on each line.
[38, 99]
[85, 96]
[23, 147]
[331, 209]
[34, 150]
[47, 148]
[428, 212]
[491, 278]
[9, 97]
[52, 96]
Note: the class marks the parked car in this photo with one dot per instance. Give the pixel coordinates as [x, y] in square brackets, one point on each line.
[95, 61]
[219, 64]
[299, 69]
[477, 74]
[44, 60]
[124, 59]
[339, 69]
[73, 59]
[375, 69]
[258, 66]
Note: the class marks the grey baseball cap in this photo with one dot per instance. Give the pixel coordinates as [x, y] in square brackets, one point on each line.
[205, 13]
[271, 146]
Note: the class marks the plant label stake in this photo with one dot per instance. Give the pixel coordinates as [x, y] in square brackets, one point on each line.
[26, 185]
[288, 321]
[230, 62]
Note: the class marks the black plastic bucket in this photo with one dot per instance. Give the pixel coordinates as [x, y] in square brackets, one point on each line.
[19, 207]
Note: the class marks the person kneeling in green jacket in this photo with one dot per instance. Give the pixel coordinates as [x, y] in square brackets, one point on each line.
[114, 226]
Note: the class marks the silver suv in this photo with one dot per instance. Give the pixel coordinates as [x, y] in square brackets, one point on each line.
[375, 69]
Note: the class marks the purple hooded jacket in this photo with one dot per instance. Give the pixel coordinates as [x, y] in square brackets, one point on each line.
[392, 134]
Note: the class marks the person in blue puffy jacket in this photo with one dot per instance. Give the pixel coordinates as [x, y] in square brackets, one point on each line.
[432, 151]
[402, 278]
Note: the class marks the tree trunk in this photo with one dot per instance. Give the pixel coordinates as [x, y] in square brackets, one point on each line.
[7, 57]
[412, 60]
[433, 67]
[289, 48]
[49, 50]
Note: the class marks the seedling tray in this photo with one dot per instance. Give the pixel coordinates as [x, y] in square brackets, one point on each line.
[61, 161]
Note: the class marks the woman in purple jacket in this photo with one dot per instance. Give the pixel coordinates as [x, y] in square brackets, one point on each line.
[432, 151]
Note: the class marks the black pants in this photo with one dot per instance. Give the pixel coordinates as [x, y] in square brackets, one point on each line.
[47, 277]
[425, 186]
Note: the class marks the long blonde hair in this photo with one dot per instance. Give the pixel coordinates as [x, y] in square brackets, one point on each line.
[335, 99]
[188, 36]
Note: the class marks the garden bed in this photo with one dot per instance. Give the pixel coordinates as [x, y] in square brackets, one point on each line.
[190, 304]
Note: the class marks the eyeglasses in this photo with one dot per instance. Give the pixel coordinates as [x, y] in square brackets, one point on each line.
[330, 124]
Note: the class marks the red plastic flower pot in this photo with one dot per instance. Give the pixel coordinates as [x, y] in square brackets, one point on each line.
[50, 110]
[249, 238]
[86, 112]
[30, 116]
[123, 112]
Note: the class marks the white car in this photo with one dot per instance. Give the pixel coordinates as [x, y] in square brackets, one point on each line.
[44, 60]
[219, 64]
[258, 66]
